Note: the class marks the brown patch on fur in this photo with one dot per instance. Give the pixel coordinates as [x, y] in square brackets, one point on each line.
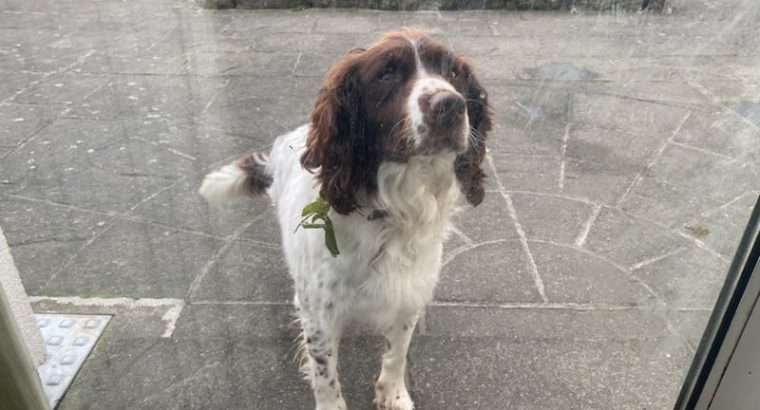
[467, 166]
[257, 179]
[359, 119]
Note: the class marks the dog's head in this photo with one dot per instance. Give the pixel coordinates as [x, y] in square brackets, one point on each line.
[406, 95]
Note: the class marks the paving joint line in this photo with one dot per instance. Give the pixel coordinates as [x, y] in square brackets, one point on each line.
[454, 253]
[161, 147]
[216, 94]
[655, 294]
[204, 302]
[458, 232]
[702, 246]
[228, 242]
[295, 65]
[702, 150]
[107, 226]
[132, 218]
[729, 203]
[532, 267]
[618, 266]
[580, 240]
[719, 102]
[654, 259]
[655, 157]
[170, 317]
[563, 159]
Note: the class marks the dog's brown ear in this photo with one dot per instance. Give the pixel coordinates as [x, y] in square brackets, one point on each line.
[335, 146]
[468, 164]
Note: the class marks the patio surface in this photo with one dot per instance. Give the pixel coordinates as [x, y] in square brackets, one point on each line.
[623, 167]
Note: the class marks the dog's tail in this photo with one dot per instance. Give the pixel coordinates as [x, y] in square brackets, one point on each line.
[248, 176]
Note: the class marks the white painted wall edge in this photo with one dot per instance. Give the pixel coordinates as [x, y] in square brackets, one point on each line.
[10, 284]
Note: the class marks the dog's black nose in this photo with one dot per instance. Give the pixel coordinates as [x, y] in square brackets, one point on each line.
[447, 106]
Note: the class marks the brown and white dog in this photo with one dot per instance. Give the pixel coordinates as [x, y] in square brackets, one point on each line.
[396, 134]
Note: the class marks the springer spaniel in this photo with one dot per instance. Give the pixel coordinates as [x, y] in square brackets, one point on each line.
[397, 132]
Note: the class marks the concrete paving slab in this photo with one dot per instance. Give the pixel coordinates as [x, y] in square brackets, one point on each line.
[690, 324]
[471, 373]
[602, 163]
[518, 323]
[727, 134]
[721, 228]
[503, 275]
[528, 173]
[19, 122]
[39, 241]
[181, 206]
[568, 217]
[220, 115]
[148, 98]
[211, 63]
[490, 221]
[570, 275]
[63, 89]
[243, 321]
[247, 272]
[691, 278]
[200, 142]
[264, 228]
[315, 64]
[530, 139]
[329, 43]
[132, 259]
[640, 118]
[687, 181]
[75, 162]
[13, 83]
[613, 229]
[28, 51]
[528, 103]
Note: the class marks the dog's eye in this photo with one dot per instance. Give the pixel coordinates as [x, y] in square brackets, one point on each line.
[389, 74]
[454, 73]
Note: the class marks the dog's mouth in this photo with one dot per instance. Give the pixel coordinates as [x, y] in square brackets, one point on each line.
[439, 140]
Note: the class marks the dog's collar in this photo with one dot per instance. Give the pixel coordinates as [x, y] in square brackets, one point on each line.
[377, 214]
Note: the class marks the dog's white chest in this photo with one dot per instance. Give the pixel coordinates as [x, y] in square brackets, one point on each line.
[400, 278]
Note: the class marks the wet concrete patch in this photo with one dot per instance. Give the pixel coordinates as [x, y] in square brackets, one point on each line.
[559, 72]
[747, 109]
[697, 230]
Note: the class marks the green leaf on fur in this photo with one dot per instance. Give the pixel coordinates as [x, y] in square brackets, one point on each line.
[317, 211]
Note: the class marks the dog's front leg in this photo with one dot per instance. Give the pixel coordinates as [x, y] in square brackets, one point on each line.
[321, 333]
[390, 389]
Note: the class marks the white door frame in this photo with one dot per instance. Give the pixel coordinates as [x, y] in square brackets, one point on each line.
[20, 387]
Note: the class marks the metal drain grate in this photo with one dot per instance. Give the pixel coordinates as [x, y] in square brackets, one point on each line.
[69, 339]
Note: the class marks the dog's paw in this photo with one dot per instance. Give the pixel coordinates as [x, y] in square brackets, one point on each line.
[333, 405]
[389, 396]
